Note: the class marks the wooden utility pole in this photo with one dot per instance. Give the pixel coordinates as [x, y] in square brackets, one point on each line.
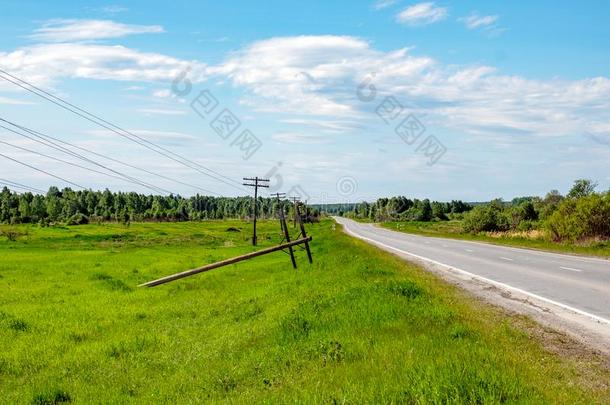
[303, 233]
[279, 196]
[216, 265]
[295, 201]
[285, 227]
[257, 183]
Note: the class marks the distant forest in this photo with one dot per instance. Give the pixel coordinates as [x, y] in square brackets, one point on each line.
[81, 207]
[581, 215]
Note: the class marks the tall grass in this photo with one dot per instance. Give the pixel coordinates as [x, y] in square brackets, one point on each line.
[359, 326]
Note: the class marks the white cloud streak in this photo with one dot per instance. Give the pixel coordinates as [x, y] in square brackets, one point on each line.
[422, 14]
[298, 138]
[13, 101]
[45, 63]
[161, 111]
[474, 21]
[381, 4]
[64, 30]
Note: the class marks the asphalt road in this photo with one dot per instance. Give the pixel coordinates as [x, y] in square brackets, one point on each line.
[581, 284]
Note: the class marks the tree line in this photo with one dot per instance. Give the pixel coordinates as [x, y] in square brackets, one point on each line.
[404, 209]
[80, 207]
[582, 214]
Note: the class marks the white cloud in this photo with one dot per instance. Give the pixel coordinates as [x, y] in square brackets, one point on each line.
[298, 138]
[161, 111]
[422, 14]
[381, 4]
[165, 93]
[113, 9]
[317, 77]
[325, 125]
[474, 21]
[12, 101]
[292, 74]
[87, 30]
[147, 134]
[216, 40]
[45, 63]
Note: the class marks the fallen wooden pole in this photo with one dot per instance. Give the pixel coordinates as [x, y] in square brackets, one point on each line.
[216, 265]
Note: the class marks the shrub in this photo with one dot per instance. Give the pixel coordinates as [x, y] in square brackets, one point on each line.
[486, 218]
[581, 218]
[12, 234]
[52, 397]
[78, 219]
[527, 225]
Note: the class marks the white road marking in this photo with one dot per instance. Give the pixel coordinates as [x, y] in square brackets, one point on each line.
[469, 250]
[485, 279]
[506, 258]
[571, 269]
[445, 246]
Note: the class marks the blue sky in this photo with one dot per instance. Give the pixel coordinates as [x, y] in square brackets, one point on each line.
[507, 98]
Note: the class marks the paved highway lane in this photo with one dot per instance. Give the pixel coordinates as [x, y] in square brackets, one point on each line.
[580, 284]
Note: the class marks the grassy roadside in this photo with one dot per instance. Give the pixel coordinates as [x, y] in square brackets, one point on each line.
[453, 229]
[359, 326]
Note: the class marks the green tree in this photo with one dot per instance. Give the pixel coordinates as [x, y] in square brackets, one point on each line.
[582, 188]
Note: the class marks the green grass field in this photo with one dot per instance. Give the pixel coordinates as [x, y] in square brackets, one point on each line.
[358, 326]
[453, 229]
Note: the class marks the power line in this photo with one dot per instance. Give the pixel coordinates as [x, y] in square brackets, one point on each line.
[122, 175]
[71, 163]
[19, 185]
[64, 150]
[50, 141]
[125, 134]
[43, 171]
[13, 186]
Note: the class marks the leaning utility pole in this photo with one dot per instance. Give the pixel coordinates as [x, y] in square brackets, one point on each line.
[257, 183]
[303, 233]
[284, 226]
[295, 201]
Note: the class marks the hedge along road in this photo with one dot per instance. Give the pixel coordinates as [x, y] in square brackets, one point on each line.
[574, 283]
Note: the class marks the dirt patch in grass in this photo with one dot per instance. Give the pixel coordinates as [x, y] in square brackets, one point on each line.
[568, 348]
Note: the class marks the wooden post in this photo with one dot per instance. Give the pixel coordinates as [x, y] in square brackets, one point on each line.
[216, 265]
[285, 230]
[295, 201]
[303, 233]
[257, 183]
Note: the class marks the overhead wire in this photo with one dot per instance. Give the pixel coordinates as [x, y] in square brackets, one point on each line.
[22, 186]
[121, 176]
[43, 171]
[118, 130]
[72, 164]
[54, 142]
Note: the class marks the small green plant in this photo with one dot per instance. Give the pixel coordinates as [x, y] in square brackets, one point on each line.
[78, 219]
[331, 352]
[52, 397]
[227, 383]
[12, 234]
[18, 325]
[405, 289]
[296, 326]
